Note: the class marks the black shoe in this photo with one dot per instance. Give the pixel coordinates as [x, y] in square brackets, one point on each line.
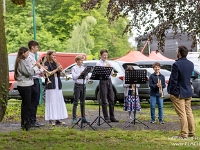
[114, 120]
[108, 120]
[84, 120]
[36, 124]
[58, 122]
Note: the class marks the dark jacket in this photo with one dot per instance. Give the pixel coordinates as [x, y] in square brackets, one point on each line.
[179, 81]
[52, 85]
[153, 80]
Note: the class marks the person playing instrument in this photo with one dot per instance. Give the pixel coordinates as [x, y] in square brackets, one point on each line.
[180, 91]
[129, 96]
[23, 75]
[35, 97]
[156, 84]
[106, 91]
[79, 89]
[55, 108]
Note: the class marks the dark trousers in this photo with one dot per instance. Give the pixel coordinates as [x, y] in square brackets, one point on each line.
[35, 97]
[106, 93]
[79, 92]
[25, 92]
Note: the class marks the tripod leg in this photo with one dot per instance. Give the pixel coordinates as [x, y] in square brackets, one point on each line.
[77, 123]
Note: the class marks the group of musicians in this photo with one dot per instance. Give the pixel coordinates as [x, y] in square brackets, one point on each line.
[27, 76]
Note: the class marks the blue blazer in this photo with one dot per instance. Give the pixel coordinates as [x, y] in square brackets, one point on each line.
[179, 81]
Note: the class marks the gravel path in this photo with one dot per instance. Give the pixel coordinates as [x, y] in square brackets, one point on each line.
[120, 115]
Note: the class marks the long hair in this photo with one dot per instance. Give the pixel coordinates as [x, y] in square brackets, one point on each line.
[47, 57]
[129, 67]
[20, 56]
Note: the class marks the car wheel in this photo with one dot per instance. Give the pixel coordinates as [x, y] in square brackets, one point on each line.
[148, 100]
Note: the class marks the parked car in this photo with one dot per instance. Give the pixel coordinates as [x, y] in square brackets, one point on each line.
[196, 80]
[60, 56]
[92, 90]
[167, 64]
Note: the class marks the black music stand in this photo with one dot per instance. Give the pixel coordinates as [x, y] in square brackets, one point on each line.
[101, 73]
[136, 76]
[82, 76]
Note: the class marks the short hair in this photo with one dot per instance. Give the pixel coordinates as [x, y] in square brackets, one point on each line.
[156, 64]
[183, 51]
[79, 57]
[32, 43]
[103, 51]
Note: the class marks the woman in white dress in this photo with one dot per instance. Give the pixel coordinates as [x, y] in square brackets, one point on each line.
[55, 108]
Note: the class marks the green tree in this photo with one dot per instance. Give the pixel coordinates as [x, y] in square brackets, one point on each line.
[81, 41]
[4, 66]
[19, 30]
[178, 15]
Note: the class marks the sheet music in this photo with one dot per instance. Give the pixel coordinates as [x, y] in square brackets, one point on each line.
[135, 76]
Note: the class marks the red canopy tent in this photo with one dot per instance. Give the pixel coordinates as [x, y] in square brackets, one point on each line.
[133, 56]
[157, 56]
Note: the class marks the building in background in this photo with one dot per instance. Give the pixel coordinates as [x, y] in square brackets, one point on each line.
[171, 44]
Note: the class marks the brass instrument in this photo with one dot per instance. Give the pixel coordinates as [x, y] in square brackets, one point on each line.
[113, 74]
[45, 70]
[34, 62]
[133, 88]
[62, 73]
[160, 88]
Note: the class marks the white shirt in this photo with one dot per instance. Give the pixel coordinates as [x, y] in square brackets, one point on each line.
[76, 72]
[31, 61]
[103, 64]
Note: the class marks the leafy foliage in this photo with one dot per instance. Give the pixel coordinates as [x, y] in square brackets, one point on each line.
[179, 15]
[82, 43]
[56, 24]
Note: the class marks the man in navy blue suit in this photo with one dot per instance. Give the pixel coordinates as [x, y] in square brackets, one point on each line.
[180, 91]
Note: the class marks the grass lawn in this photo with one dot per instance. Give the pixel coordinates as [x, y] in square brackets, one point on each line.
[65, 138]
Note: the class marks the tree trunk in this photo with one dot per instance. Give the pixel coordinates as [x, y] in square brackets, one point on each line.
[4, 83]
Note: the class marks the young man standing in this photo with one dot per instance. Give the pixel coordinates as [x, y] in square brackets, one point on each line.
[35, 96]
[156, 84]
[180, 91]
[106, 90]
[79, 89]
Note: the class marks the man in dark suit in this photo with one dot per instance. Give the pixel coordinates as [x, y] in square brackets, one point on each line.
[180, 91]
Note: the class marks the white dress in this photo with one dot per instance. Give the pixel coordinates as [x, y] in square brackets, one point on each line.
[55, 107]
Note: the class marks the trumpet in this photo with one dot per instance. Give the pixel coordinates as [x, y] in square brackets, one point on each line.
[48, 73]
[113, 74]
[133, 88]
[160, 88]
[62, 73]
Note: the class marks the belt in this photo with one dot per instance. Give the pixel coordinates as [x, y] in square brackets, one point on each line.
[79, 84]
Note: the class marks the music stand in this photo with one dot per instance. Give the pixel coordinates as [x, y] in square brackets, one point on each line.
[83, 76]
[101, 73]
[136, 76]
